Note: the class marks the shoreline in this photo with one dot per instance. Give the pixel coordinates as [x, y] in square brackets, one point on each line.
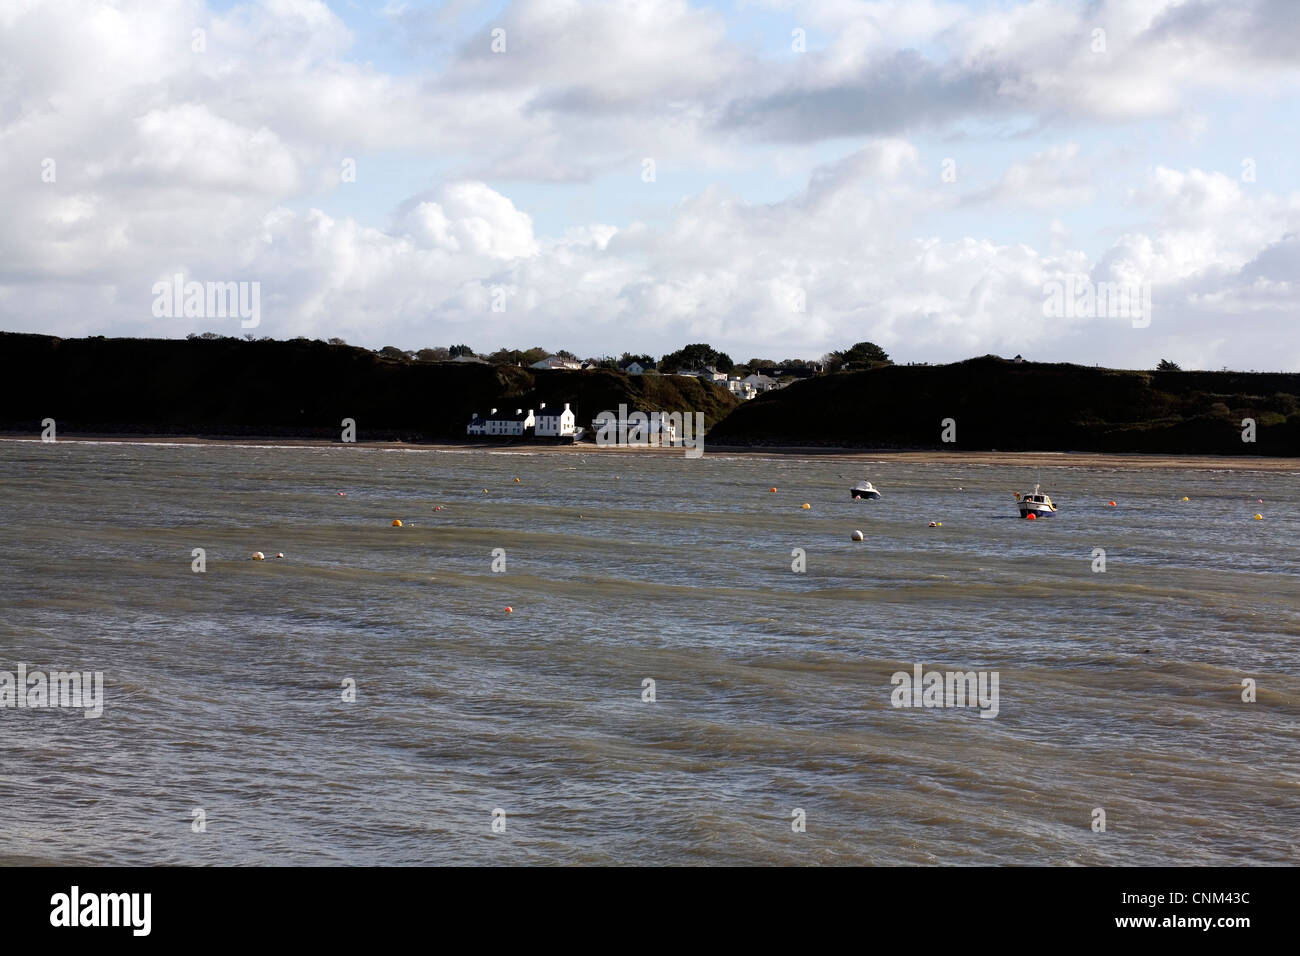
[1134, 460]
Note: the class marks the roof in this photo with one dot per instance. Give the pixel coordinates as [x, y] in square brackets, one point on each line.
[554, 361]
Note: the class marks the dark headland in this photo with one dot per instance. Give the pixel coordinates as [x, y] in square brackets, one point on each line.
[232, 388]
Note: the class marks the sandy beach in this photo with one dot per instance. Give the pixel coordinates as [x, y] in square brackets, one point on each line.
[1019, 459]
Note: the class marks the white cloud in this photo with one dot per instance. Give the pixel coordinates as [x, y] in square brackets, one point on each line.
[223, 164]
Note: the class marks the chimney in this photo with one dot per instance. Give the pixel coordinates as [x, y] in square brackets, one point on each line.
[493, 412]
[519, 411]
[541, 406]
[566, 407]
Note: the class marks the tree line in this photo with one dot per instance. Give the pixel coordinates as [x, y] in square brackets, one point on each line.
[690, 358]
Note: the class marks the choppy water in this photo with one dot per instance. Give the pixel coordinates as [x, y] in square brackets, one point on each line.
[1118, 690]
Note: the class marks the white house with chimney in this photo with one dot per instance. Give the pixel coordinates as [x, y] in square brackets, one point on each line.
[555, 422]
[503, 424]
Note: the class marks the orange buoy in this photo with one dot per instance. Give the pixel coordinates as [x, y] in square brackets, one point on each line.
[1031, 516]
[516, 479]
[397, 522]
[772, 490]
[806, 506]
[1112, 504]
[1259, 517]
[509, 609]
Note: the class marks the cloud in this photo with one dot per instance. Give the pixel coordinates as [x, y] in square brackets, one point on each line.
[517, 174]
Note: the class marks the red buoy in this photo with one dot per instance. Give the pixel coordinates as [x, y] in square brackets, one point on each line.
[1031, 516]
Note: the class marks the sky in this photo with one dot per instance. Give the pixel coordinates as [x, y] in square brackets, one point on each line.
[778, 179]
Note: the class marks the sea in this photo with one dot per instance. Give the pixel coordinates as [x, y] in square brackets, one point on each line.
[575, 658]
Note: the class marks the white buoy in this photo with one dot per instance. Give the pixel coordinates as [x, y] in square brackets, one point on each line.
[856, 536]
[258, 556]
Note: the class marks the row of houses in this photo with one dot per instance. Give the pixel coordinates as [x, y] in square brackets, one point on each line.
[546, 423]
[744, 388]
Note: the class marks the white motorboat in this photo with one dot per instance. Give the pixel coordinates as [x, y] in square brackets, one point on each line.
[864, 489]
[1036, 503]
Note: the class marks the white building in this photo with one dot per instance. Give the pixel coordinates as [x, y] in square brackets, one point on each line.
[554, 423]
[709, 374]
[504, 423]
[740, 388]
[759, 383]
[554, 361]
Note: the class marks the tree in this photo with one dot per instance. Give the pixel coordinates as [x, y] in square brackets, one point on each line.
[337, 341]
[534, 354]
[506, 357]
[1168, 366]
[392, 352]
[431, 355]
[723, 363]
[866, 354]
[456, 351]
[691, 357]
[862, 355]
[566, 354]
